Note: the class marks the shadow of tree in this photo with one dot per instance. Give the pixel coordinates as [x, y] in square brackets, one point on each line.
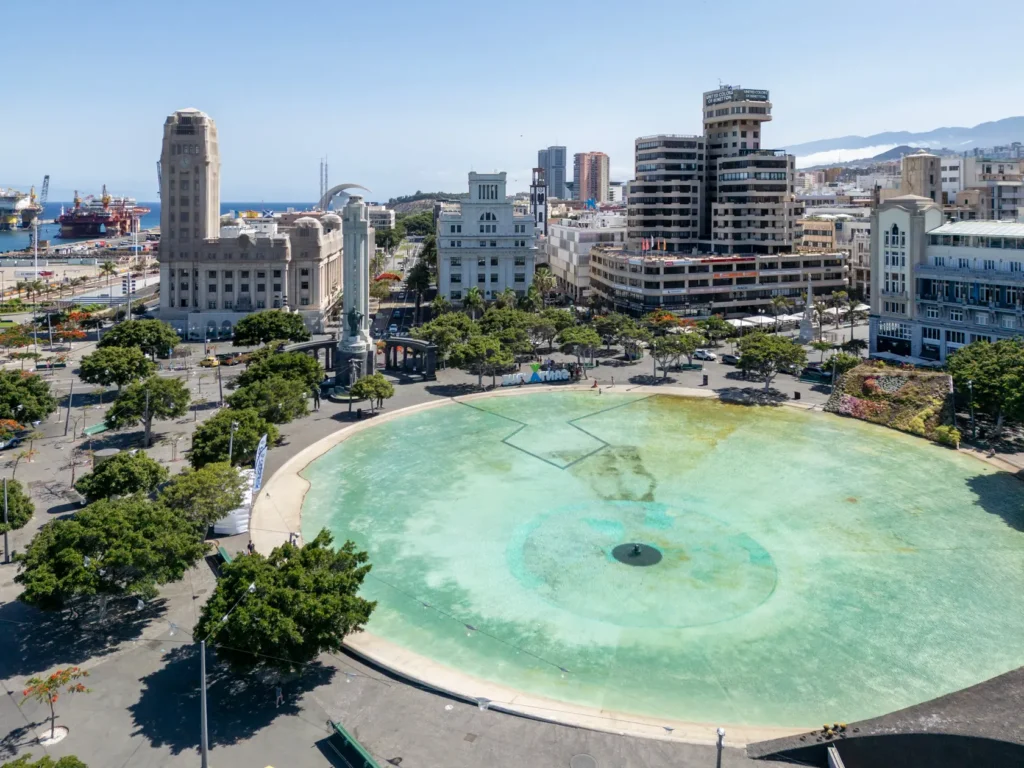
[45, 640]
[648, 380]
[19, 738]
[168, 708]
[752, 395]
[1000, 494]
[452, 390]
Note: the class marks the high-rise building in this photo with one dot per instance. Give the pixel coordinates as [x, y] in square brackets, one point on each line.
[539, 202]
[214, 270]
[590, 176]
[663, 202]
[749, 204]
[552, 160]
[484, 243]
[921, 175]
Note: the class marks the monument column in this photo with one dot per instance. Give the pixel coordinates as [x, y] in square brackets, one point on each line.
[356, 351]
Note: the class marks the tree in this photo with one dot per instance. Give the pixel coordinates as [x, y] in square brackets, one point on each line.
[269, 325]
[665, 350]
[387, 239]
[115, 365]
[19, 507]
[506, 299]
[25, 761]
[840, 299]
[715, 327]
[25, 397]
[840, 363]
[540, 329]
[380, 290]
[286, 609]
[277, 399]
[996, 376]
[419, 223]
[375, 388]
[418, 281]
[780, 305]
[660, 320]
[821, 346]
[690, 343]
[608, 326]
[154, 337]
[545, 282]
[821, 313]
[204, 495]
[440, 305]
[47, 689]
[854, 346]
[108, 269]
[481, 354]
[447, 331]
[631, 336]
[144, 401]
[291, 365]
[531, 301]
[212, 439]
[579, 340]
[112, 548]
[562, 318]
[122, 475]
[767, 354]
[473, 301]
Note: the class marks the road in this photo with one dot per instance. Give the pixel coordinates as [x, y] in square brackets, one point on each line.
[400, 309]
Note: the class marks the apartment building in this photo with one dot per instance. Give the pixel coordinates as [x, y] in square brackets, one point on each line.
[214, 270]
[952, 169]
[591, 176]
[940, 285]
[483, 242]
[552, 160]
[816, 233]
[381, 217]
[638, 282]
[1002, 185]
[664, 201]
[568, 247]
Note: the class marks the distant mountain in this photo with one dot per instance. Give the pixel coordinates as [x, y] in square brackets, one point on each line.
[846, 148]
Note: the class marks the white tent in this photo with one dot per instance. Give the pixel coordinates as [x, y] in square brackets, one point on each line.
[737, 323]
[791, 318]
[833, 312]
[237, 520]
[760, 320]
[861, 308]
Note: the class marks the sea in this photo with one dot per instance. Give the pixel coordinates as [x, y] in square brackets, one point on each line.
[48, 230]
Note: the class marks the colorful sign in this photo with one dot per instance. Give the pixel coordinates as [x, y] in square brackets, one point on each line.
[261, 457]
[536, 377]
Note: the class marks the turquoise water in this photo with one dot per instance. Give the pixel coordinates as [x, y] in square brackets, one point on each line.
[813, 568]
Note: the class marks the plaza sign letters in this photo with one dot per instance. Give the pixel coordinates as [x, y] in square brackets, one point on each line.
[536, 377]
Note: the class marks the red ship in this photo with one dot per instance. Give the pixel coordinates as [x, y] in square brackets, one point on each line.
[106, 217]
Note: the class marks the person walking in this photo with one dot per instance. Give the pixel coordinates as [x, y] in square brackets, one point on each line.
[278, 696]
[316, 399]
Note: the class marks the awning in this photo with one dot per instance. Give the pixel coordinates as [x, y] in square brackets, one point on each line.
[737, 323]
[862, 308]
[790, 318]
[760, 320]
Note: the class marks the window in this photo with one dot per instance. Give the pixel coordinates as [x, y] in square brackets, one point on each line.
[183, 217]
[456, 295]
[1009, 321]
[228, 304]
[494, 277]
[955, 337]
[243, 288]
[494, 261]
[184, 285]
[456, 278]
[481, 261]
[494, 243]
[211, 304]
[989, 264]
[481, 278]
[244, 273]
[963, 263]
[304, 285]
[261, 304]
[483, 243]
[261, 274]
[1015, 266]
[212, 274]
[933, 313]
[261, 287]
[520, 277]
[277, 273]
[520, 261]
[211, 288]
[956, 315]
[184, 200]
[304, 301]
[229, 288]
[455, 261]
[981, 318]
[277, 287]
[184, 302]
[934, 334]
[488, 216]
[451, 243]
[304, 272]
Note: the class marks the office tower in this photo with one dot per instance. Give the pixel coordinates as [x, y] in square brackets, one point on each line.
[552, 160]
[590, 176]
[664, 199]
[190, 183]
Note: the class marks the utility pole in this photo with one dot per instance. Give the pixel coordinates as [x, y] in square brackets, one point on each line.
[202, 699]
[231, 441]
[146, 417]
[71, 397]
[220, 387]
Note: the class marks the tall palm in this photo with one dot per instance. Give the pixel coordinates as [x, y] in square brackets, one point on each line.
[419, 281]
[108, 268]
[506, 299]
[821, 312]
[779, 306]
[36, 286]
[473, 301]
[839, 300]
[21, 287]
[545, 282]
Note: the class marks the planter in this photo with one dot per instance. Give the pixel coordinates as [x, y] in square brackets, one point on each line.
[59, 734]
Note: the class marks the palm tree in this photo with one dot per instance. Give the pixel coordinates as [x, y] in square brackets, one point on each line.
[418, 280]
[821, 312]
[21, 286]
[839, 300]
[36, 286]
[108, 268]
[779, 305]
[545, 282]
[506, 299]
[473, 301]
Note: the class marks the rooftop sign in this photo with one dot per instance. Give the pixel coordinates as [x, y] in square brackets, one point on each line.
[734, 94]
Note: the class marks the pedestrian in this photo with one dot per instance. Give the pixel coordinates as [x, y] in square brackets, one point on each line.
[594, 386]
[251, 547]
[278, 696]
[613, 381]
[316, 399]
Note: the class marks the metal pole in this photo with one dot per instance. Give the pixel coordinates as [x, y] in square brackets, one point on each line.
[71, 397]
[7, 549]
[220, 387]
[147, 417]
[202, 703]
[49, 329]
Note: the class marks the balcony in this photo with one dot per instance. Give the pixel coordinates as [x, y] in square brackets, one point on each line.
[956, 273]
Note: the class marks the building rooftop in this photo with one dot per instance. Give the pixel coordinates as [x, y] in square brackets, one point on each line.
[981, 229]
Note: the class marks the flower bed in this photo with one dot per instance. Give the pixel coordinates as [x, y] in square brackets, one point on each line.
[913, 401]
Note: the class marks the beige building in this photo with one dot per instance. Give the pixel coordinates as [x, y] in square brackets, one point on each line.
[214, 270]
[591, 176]
[816, 233]
[569, 243]
[921, 175]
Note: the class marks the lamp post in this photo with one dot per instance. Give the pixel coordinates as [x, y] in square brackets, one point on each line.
[231, 441]
[970, 386]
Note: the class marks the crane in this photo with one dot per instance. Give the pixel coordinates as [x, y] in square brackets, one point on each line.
[45, 192]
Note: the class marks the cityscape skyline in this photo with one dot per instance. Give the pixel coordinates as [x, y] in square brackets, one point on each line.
[401, 137]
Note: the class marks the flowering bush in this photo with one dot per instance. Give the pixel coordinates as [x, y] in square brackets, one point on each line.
[870, 386]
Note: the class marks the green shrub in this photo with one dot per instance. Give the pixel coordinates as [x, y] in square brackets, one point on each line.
[947, 435]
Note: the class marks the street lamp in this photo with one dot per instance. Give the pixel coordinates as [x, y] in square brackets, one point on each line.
[970, 386]
[231, 441]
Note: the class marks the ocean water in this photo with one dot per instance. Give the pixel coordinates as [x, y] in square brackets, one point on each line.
[814, 569]
[21, 238]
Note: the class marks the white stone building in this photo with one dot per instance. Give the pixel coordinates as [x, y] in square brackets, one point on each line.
[381, 217]
[484, 243]
[568, 248]
[214, 271]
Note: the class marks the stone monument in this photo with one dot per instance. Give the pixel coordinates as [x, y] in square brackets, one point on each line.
[807, 321]
[356, 349]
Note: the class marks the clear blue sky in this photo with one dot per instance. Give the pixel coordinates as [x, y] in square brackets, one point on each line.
[412, 95]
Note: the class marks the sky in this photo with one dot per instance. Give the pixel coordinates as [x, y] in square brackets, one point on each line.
[412, 95]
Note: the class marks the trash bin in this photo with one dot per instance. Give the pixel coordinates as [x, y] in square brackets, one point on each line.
[705, 379]
[359, 412]
[796, 395]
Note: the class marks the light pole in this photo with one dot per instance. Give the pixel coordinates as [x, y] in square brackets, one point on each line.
[231, 441]
[970, 386]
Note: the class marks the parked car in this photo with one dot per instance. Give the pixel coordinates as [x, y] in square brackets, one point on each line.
[392, 328]
[210, 361]
[704, 354]
[229, 358]
[790, 368]
[731, 359]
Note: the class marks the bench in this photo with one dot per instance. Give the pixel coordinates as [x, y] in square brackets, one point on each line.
[95, 429]
[224, 555]
[351, 751]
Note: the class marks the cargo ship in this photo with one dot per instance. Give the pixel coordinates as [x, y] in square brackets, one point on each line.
[106, 217]
[12, 206]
